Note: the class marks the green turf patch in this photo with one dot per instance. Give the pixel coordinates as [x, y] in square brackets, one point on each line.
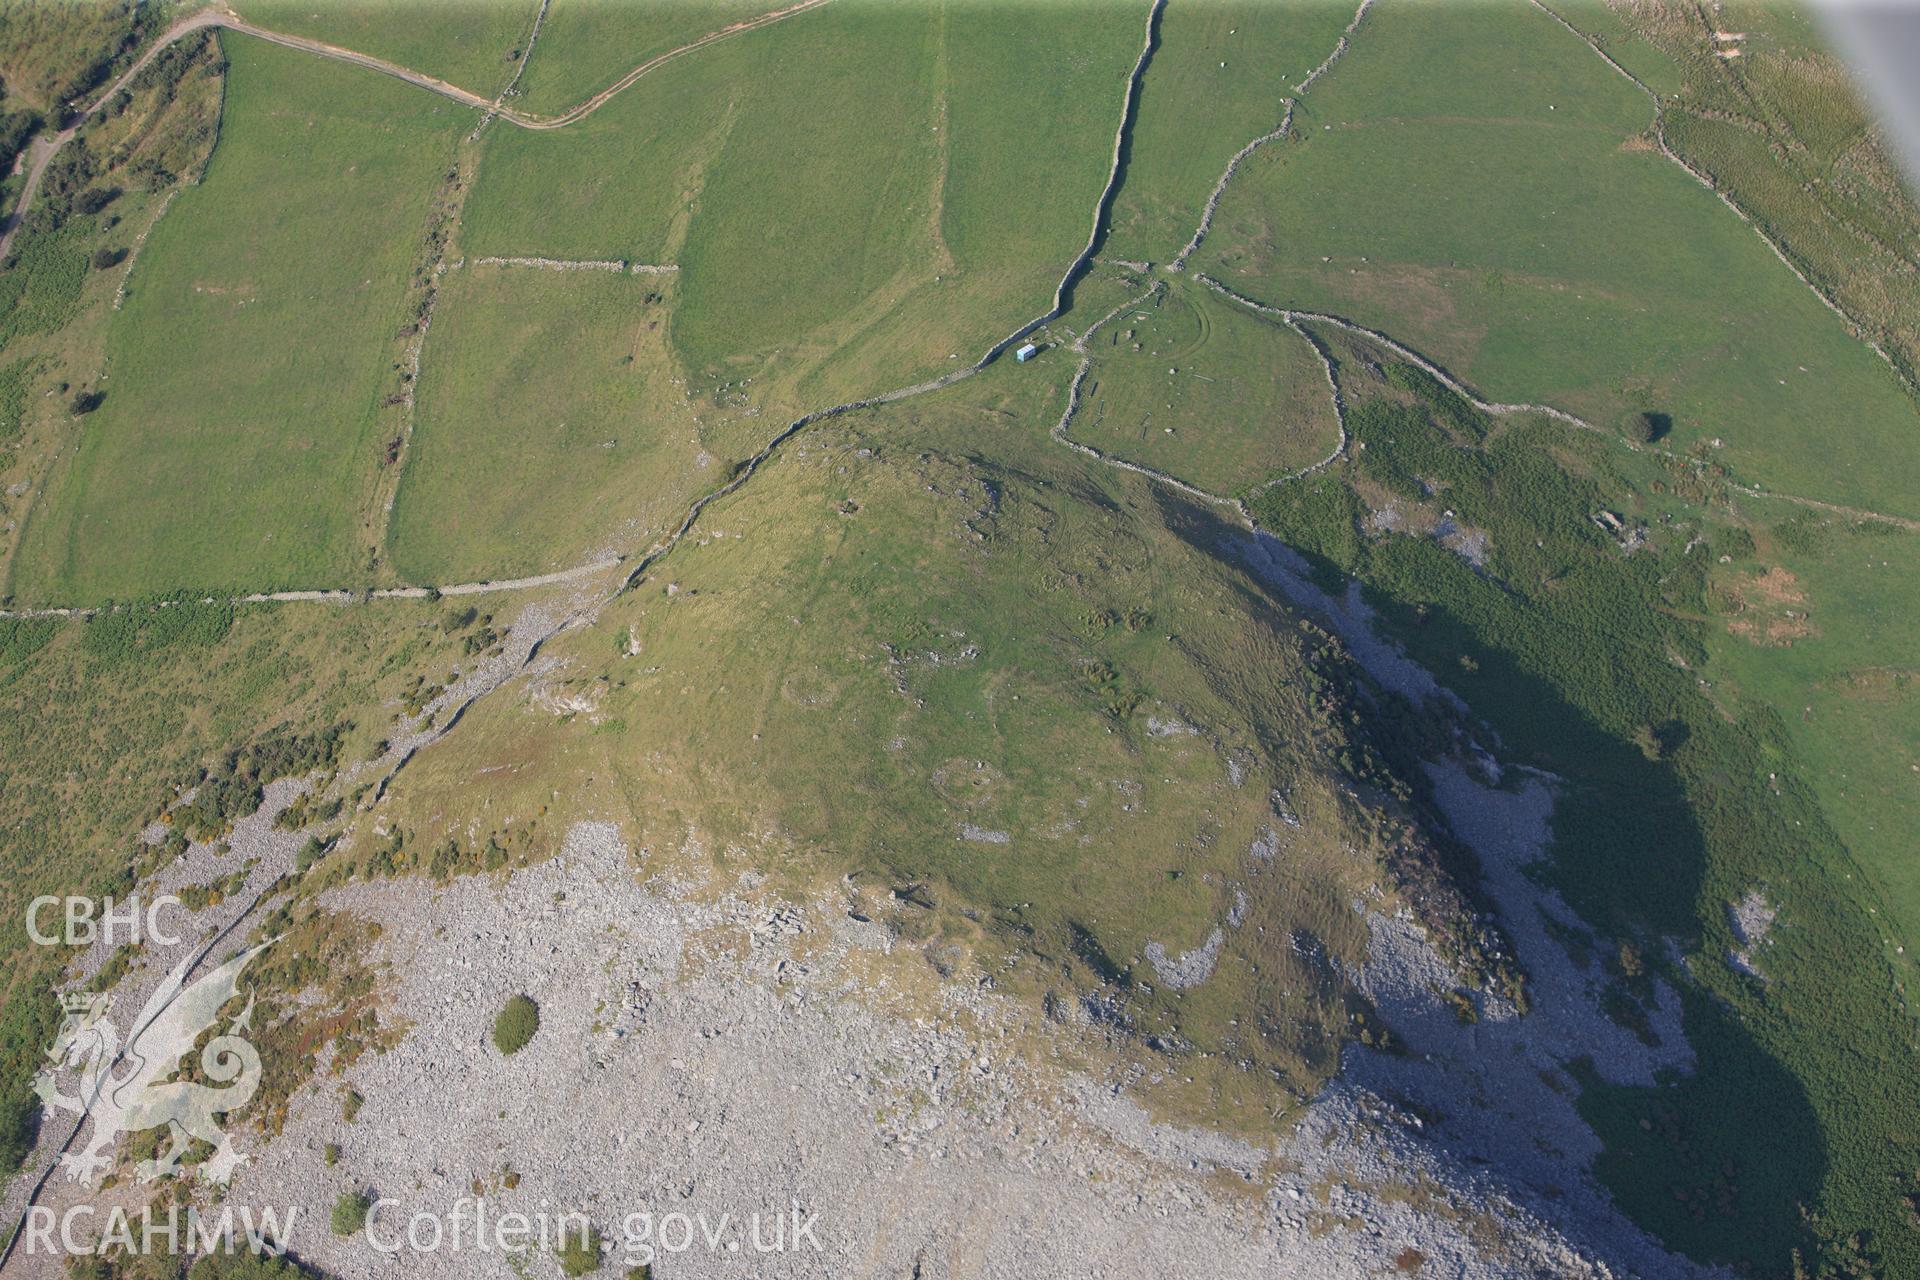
[516, 1024]
[1194, 386]
[235, 446]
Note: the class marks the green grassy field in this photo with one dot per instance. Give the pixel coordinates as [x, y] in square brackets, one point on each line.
[1189, 384]
[1718, 727]
[1631, 48]
[235, 448]
[800, 231]
[869, 249]
[55, 302]
[1219, 79]
[1032, 99]
[1781, 128]
[586, 45]
[548, 425]
[1814, 624]
[1575, 266]
[472, 43]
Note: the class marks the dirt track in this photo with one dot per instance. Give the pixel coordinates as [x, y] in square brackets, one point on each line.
[44, 149]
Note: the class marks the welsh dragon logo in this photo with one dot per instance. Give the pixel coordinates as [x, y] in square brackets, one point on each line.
[143, 1097]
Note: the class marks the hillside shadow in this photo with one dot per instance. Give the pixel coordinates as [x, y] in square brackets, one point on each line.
[1684, 1157]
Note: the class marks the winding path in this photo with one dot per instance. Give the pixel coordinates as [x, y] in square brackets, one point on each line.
[44, 149]
[495, 106]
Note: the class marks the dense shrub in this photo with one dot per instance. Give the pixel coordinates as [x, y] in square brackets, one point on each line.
[137, 632]
[94, 199]
[16, 130]
[13, 398]
[1650, 427]
[350, 1212]
[1585, 662]
[235, 785]
[21, 638]
[46, 272]
[249, 1266]
[518, 1021]
[579, 1253]
[28, 1022]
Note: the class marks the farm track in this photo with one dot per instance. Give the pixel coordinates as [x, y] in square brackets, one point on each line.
[44, 149]
[495, 107]
[519, 69]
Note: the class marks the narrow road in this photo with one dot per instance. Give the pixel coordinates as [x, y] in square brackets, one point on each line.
[495, 106]
[44, 149]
